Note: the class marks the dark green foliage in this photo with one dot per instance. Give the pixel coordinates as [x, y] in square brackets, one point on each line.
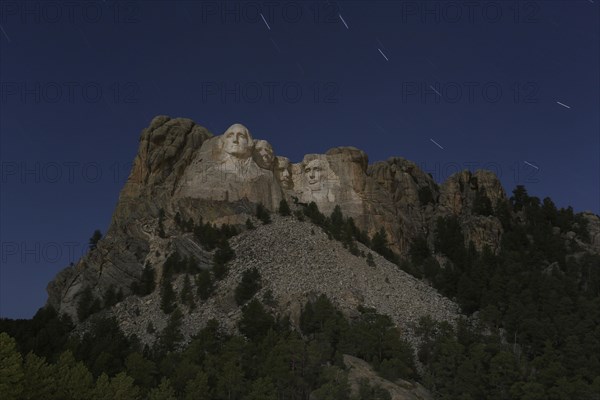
[425, 196]
[220, 271]
[171, 335]
[374, 338]
[449, 239]
[544, 314]
[87, 304]
[161, 218]
[273, 363]
[255, 321]
[224, 253]
[536, 336]
[96, 236]
[379, 243]
[299, 215]
[209, 236]
[186, 295]
[112, 296]
[336, 222]
[204, 284]
[249, 285]
[482, 204]
[419, 250]
[519, 198]
[370, 260]
[284, 208]
[314, 215]
[167, 297]
[104, 347]
[263, 214]
[146, 284]
[222, 256]
[176, 264]
[268, 298]
[368, 392]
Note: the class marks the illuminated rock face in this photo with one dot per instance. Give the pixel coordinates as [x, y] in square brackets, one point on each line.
[182, 172]
[230, 167]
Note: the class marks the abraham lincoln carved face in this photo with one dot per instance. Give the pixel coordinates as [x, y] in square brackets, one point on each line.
[314, 171]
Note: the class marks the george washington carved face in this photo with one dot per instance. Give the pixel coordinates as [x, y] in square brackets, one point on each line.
[283, 172]
[237, 141]
[263, 154]
[314, 172]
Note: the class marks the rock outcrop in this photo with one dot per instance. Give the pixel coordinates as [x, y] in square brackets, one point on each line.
[182, 172]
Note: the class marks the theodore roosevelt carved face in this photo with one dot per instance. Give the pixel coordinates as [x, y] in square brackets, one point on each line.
[283, 172]
[237, 141]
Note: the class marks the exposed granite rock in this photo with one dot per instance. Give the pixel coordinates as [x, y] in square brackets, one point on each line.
[297, 262]
[182, 169]
[400, 390]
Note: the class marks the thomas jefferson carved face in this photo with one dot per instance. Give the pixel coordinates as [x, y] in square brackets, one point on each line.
[263, 152]
[314, 171]
[237, 141]
[283, 172]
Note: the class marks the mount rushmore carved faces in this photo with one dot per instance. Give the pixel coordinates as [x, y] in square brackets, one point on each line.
[313, 171]
[263, 154]
[283, 172]
[237, 141]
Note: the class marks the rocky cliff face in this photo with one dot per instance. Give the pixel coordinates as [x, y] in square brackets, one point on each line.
[182, 169]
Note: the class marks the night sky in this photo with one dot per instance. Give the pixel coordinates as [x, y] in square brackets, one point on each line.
[511, 86]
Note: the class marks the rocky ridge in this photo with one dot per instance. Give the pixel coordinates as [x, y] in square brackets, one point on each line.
[236, 172]
[297, 261]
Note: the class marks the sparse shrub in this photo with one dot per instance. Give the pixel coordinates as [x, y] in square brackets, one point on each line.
[425, 195]
[204, 284]
[249, 285]
[284, 208]
[370, 260]
[263, 214]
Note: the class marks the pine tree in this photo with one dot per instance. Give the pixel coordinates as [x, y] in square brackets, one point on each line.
[122, 387]
[140, 369]
[73, 380]
[262, 214]
[197, 388]
[284, 208]
[87, 304]
[39, 381]
[255, 321]
[167, 297]
[11, 370]
[370, 260]
[186, 295]
[204, 284]
[231, 382]
[164, 391]
[96, 236]
[262, 389]
[146, 284]
[249, 285]
[171, 335]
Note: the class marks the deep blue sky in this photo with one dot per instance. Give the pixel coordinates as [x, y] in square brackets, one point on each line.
[80, 83]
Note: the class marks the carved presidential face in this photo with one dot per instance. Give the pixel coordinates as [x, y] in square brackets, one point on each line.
[237, 141]
[313, 171]
[263, 154]
[283, 172]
